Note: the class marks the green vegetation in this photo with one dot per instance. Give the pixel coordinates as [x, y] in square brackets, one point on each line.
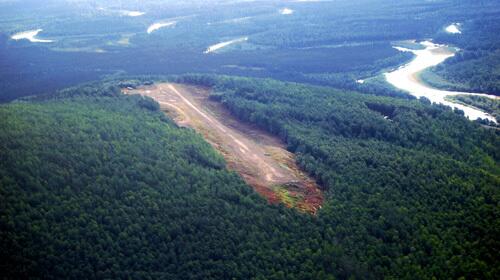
[431, 78]
[406, 181]
[469, 72]
[476, 68]
[94, 184]
[331, 43]
[104, 188]
[486, 104]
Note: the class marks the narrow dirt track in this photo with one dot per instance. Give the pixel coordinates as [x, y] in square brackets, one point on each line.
[258, 157]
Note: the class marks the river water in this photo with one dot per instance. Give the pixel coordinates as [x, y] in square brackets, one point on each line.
[406, 78]
[30, 36]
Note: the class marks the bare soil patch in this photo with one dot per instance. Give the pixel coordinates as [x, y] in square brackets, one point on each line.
[260, 158]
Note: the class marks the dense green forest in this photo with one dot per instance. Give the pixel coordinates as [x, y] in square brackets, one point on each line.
[96, 184]
[408, 174]
[99, 185]
[476, 67]
[106, 188]
[330, 43]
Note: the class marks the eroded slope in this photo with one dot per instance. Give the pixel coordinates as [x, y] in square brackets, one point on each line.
[258, 157]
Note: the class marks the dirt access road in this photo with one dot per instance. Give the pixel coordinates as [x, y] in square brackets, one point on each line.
[260, 158]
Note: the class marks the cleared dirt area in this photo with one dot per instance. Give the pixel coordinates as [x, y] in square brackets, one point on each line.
[260, 158]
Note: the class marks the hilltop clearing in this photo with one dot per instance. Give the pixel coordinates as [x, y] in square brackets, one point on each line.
[258, 157]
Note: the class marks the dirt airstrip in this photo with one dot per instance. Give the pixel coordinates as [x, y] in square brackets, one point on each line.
[260, 158]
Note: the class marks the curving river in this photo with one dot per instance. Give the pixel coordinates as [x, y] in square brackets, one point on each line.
[30, 36]
[406, 78]
[221, 45]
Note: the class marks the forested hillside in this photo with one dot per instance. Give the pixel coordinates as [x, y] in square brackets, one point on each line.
[406, 181]
[104, 188]
[99, 185]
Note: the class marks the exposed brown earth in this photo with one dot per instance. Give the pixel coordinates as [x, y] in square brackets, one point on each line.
[260, 158]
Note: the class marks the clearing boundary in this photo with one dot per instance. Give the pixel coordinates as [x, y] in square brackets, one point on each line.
[260, 158]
